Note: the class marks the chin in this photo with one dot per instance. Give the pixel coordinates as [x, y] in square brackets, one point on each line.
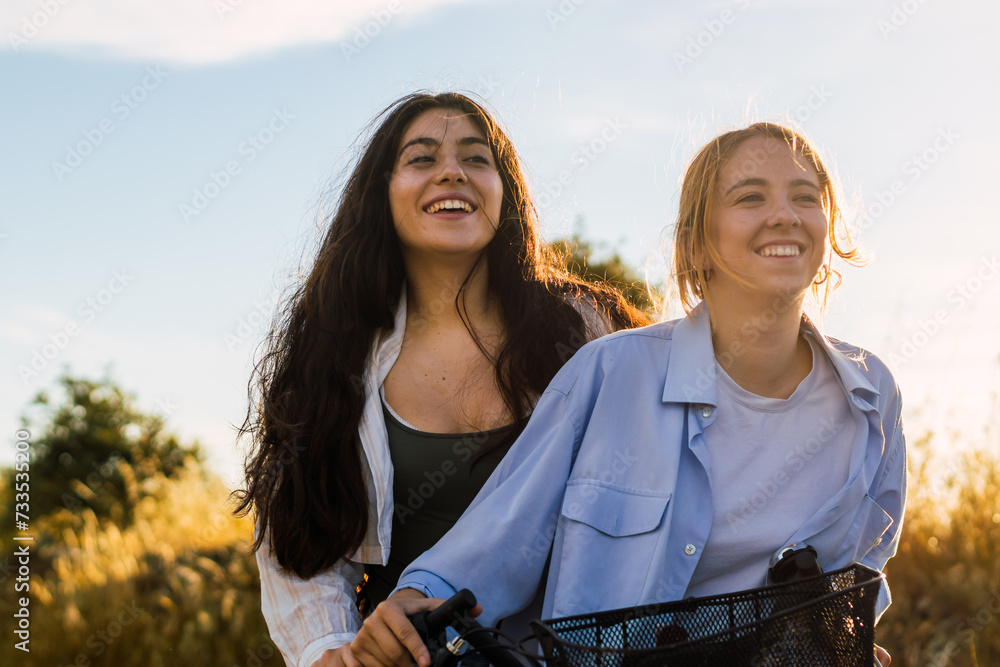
[785, 290]
[457, 250]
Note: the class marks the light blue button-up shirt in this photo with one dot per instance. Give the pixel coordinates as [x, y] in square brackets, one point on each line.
[605, 500]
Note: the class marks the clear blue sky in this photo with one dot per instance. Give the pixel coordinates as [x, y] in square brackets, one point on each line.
[117, 114]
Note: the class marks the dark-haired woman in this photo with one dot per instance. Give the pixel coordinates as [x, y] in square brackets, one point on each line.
[405, 365]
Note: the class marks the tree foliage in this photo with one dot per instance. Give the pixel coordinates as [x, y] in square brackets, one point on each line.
[580, 260]
[80, 441]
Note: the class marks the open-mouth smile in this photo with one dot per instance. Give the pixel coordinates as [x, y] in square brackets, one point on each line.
[780, 250]
[450, 206]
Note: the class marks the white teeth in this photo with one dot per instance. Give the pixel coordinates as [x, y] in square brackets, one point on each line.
[450, 204]
[780, 251]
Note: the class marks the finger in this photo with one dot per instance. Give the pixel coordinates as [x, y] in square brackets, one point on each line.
[405, 634]
[370, 645]
[339, 657]
[382, 636]
[347, 657]
[391, 648]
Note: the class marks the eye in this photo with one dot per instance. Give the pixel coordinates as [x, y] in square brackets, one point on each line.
[750, 197]
[808, 198]
[420, 158]
[480, 159]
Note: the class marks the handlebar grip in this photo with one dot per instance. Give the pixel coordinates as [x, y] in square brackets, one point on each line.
[443, 616]
[454, 612]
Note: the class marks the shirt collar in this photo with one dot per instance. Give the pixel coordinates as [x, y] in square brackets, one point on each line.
[387, 347]
[849, 362]
[691, 363]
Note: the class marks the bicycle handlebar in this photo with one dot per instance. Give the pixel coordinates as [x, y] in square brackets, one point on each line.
[454, 612]
[458, 604]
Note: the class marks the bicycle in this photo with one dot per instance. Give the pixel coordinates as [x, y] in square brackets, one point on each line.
[827, 619]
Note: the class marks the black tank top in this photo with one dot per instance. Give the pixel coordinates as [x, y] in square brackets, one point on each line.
[433, 482]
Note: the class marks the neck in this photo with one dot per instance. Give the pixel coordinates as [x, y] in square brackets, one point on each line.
[432, 287]
[758, 343]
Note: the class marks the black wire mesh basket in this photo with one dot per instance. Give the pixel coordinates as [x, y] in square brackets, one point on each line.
[827, 620]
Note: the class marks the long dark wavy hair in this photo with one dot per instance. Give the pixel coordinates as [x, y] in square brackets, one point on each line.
[304, 474]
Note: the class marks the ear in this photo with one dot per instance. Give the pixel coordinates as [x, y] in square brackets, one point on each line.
[700, 260]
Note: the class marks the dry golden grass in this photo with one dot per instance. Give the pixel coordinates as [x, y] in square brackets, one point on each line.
[174, 588]
[945, 577]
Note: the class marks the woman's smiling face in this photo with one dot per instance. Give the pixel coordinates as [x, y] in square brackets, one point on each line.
[445, 191]
[768, 221]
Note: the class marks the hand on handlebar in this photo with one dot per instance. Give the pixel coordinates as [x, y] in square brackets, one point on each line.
[388, 638]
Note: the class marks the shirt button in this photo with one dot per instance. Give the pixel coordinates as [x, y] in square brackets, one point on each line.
[878, 541]
[706, 412]
[690, 549]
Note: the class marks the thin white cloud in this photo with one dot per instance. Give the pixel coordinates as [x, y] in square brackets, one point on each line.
[28, 324]
[197, 31]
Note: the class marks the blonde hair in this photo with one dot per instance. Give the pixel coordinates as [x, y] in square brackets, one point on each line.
[698, 190]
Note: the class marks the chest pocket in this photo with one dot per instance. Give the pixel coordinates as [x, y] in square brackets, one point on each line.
[870, 525]
[608, 538]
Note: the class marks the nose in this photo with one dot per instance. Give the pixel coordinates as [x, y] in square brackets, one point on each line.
[450, 169]
[782, 213]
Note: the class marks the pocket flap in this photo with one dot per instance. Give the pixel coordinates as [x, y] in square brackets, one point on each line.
[877, 524]
[615, 512]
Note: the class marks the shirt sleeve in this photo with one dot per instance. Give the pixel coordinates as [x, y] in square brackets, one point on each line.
[305, 617]
[498, 549]
[890, 496]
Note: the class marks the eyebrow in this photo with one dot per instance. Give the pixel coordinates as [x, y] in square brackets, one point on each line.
[431, 143]
[760, 181]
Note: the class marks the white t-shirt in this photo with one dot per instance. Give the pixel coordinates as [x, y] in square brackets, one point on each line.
[774, 463]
